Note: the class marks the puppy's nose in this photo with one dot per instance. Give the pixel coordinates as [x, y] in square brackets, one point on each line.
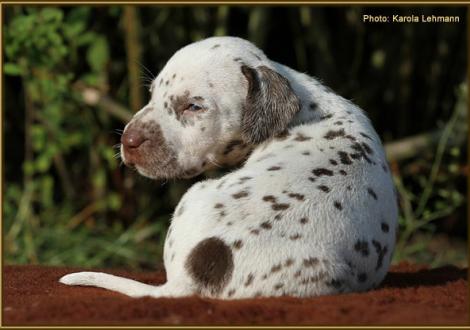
[132, 138]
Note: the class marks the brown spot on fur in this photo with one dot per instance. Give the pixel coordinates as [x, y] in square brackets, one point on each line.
[218, 205]
[300, 137]
[269, 198]
[289, 262]
[238, 244]
[295, 237]
[299, 197]
[276, 268]
[210, 264]
[297, 273]
[278, 286]
[281, 206]
[254, 231]
[339, 122]
[311, 262]
[249, 280]
[240, 194]
[231, 146]
[266, 225]
[330, 135]
[283, 135]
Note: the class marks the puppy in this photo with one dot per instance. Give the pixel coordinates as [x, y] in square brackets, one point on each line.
[312, 209]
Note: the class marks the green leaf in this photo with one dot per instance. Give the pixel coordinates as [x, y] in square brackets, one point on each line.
[98, 54]
[12, 69]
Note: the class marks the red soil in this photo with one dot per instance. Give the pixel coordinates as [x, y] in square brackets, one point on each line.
[410, 295]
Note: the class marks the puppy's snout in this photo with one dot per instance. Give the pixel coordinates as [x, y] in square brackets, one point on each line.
[133, 138]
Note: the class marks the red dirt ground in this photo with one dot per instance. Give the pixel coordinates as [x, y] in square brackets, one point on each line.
[410, 295]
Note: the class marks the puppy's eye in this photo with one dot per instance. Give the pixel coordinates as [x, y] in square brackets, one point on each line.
[194, 107]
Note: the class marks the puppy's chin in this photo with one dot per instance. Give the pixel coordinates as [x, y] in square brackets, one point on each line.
[173, 173]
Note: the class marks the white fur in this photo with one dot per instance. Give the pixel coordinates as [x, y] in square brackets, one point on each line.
[329, 238]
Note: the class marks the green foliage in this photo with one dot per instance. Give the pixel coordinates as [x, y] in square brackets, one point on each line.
[435, 194]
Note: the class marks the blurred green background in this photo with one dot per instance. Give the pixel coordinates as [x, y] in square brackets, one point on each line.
[73, 75]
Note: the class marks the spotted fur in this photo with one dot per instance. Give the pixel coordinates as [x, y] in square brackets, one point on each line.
[310, 208]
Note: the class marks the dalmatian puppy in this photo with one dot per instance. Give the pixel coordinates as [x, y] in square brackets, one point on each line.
[311, 208]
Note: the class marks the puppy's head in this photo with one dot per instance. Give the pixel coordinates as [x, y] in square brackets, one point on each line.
[210, 105]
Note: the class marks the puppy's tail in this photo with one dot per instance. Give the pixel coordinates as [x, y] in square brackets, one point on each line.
[118, 284]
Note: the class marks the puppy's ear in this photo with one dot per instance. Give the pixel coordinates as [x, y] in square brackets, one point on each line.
[270, 104]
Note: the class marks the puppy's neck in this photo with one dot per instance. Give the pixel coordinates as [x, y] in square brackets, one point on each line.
[317, 100]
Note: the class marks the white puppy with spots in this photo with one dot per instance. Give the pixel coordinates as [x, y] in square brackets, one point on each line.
[312, 209]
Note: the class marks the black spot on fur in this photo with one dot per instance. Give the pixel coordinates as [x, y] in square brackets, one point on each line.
[303, 221]
[366, 136]
[322, 171]
[312, 179]
[306, 153]
[274, 168]
[362, 247]
[338, 205]
[342, 172]
[381, 252]
[333, 162]
[339, 122]
[385, 227]
[344, 158]
[362, 277]
[210, 264]
[313, 106]
[218, 206]
[367, 148]
[324, 188]
[215, 46]
[372, 193]
[328, 116]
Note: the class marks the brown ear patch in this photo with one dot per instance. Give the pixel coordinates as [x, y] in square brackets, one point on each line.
[210, 264]
[270, 104]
